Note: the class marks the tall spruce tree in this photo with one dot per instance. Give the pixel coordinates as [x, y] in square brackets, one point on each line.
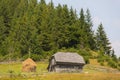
[89, 31]
[73, 16]
[84, 31]
[81, 29]
[7, 9]
[102, 41]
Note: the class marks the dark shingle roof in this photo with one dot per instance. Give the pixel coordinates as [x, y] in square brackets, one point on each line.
[69, 57]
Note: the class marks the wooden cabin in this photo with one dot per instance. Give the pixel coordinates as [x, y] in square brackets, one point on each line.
[66, 62]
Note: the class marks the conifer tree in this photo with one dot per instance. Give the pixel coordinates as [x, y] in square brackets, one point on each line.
[102, 40]
[89, 31]
[73, 16]
[82, 30]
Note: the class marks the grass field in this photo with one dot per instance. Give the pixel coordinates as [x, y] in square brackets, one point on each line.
[68, 76]
[90, 72]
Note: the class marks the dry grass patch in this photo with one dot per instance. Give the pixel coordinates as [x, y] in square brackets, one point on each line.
[71, 76]
[98, 76]
[94, 62]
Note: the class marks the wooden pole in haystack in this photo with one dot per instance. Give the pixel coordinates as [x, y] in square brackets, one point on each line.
[29, 52]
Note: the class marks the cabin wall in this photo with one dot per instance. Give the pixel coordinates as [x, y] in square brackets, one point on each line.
[52, 64]
[68, 68]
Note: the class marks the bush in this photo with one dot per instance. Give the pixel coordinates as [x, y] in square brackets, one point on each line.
[118, 64]
[118, 68]
[48, 54]
[12, 57]
[84, 52]
[7, 58]
[86, 58]
[35, 57]
[112, 64]
[101, 58]
[102, 63]
[68, 50]
[1, 58]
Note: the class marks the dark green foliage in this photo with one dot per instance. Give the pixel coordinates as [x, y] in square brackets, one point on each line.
[86, 54]
[29, 28]
[112, 64]
[86, 58]
[101, 59]
[89, 32]
[102, 42]
[102, 63]
[35, 57]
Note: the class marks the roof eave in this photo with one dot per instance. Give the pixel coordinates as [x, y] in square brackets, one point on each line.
[58, 62]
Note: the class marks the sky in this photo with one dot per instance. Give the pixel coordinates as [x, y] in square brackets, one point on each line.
[106, 12]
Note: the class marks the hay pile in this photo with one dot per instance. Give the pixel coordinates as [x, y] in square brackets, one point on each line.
[29, 65]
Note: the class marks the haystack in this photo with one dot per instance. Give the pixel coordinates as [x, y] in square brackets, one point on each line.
[29, 65]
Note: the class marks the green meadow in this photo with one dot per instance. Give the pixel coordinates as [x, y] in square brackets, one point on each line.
[12, 71]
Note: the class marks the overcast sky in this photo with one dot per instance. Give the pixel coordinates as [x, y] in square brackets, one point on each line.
[105, 11]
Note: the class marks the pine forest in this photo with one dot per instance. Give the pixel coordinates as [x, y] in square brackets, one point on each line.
[29, 28]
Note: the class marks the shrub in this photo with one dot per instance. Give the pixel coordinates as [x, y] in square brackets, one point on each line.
[13, 57]
[84, 52]
[118, 64]
[86, 58]
[118, 68]
[112, 64]
[1, 58]
[11, 73]
[102, 63]
[68, 50]
[100, 59]
[6, 58]
[35, 57]
[48, 54]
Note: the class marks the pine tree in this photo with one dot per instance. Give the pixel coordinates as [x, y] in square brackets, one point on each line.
[2, 35]
[42, 2]
[83, 30]
[73, 16]
[119, 58]
[103, 43]
[112, 53]
[89, 31]
[7, 9]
